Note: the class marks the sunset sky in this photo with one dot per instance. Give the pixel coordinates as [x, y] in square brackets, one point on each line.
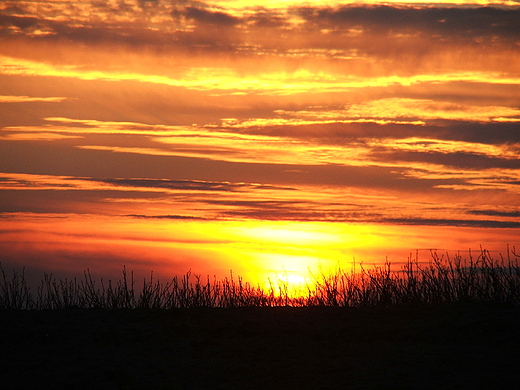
[267, 137]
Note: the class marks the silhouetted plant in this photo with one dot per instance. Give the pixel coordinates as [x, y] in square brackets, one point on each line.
[441, 280]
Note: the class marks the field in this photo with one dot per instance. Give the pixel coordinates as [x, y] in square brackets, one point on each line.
[452, 324]
[449, 346]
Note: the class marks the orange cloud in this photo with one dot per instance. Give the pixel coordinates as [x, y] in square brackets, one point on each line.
[426, 109]
[23, 99]
[179, 135]
[227, 79]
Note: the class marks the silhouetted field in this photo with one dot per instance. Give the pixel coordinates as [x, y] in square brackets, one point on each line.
[450, 324]
[447, 346]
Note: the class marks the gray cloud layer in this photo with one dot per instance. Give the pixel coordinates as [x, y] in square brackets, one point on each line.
[193, 22]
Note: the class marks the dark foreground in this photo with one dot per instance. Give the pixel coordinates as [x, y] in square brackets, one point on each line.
[470, 346]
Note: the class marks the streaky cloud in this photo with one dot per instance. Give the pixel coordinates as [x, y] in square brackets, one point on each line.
[454, 222]
[456, 159]
[496, 213]
[180, 217]
[459, 23]
[27, 99]
[193, 185]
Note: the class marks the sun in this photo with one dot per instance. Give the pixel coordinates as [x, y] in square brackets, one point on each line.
[290, 254]
[289, 273]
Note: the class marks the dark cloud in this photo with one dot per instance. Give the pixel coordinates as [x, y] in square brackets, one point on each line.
[443, 25]
[20, 183]
[463, 160]
[495, 213]
[201, 15]
[192, 185]
[299, 211]
[15, 8]
[89, 34]
[456, 23]
[181, 217]
[65, 200]
[27, 26]
[486, 133]
[353, 133]
[267, 19]
[93, 163]
[358, 134]
[453, 222]
[21, 22]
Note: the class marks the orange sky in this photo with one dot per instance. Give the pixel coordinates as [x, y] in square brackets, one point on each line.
[269, 139]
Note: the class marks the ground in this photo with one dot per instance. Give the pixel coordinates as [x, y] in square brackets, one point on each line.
[456, 346]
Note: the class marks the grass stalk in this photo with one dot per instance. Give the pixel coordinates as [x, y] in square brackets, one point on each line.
[442, 279]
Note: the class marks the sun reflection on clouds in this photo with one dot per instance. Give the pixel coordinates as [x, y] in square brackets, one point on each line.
[24, 99]
[271, 138]
[426, 109]
[294, 252]
[232, 81]
[443, 146]
[240, 142]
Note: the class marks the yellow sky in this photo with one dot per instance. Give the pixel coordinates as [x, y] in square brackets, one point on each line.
[267, 138]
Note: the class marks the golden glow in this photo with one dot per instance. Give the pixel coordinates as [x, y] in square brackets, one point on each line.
[428, 109]
[428, 146]
[286, 3]
[272, 251]
[227, 79]
[22, 99]
[279, 139]
[222, 144]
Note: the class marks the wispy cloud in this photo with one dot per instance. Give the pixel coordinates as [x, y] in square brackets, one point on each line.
[316, 40]
[499, 212]
[212, 130]
[457, 222]
[24, 99]
[232, 81]
[442, 153]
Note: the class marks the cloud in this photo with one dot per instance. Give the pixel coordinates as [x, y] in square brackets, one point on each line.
[187, 185]
[18, 24]
[25, 99]
[395, 110]
[454, 222]
[496, 213]
[426, 109]
[416, 103]
[189, 25]
[40, 136]
[228, 80]
[204, 16]
[457, 159]
[484, 133]
[166, 217]
[321, 156]
[296, 209]
[455, 23]
[30, 181]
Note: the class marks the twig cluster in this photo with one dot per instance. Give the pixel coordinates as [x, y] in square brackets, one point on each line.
[441, 280]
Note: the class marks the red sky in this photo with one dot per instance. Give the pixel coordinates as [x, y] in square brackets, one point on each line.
[267, 138]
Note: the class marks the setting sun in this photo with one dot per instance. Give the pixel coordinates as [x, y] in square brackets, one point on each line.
[278, 194]
[275, 141]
